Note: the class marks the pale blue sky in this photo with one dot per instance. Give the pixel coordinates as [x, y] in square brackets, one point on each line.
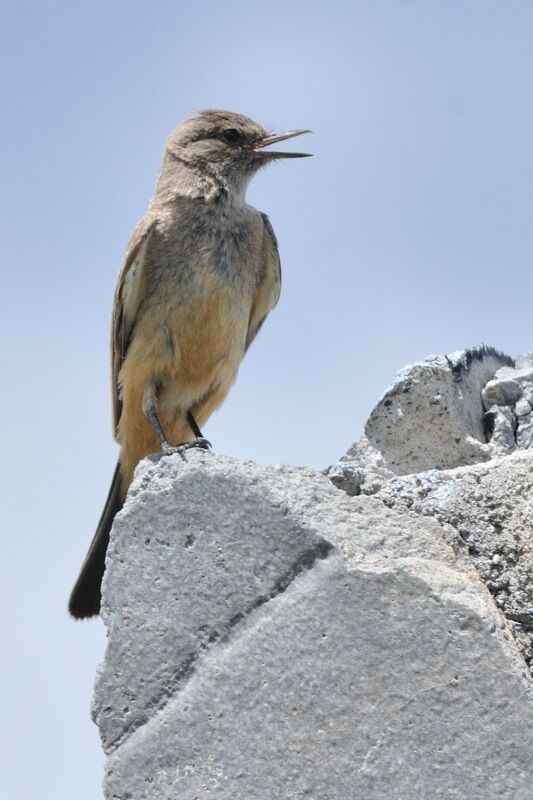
[409, 233]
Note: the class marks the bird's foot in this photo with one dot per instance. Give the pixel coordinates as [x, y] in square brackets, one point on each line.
[201, 443]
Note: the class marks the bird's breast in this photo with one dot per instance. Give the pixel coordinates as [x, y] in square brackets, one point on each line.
[225, 243]
[195, 316]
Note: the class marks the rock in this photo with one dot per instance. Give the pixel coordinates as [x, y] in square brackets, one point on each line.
[493, 497]
[500, 425]
[271, 637]
[361, 471]
[277, 632]
[524, 361]
[507, 386]
[501, 392]
[524, 432]
[522, 375]
[346, 477]
[528, 392]
[258, 524]
[489, 507]
[522, 407]
[430, 418]
[506, 428]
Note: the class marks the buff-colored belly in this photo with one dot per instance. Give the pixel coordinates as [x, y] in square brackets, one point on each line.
[192, 351]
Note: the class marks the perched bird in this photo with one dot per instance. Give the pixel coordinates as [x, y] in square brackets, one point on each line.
[200, 275]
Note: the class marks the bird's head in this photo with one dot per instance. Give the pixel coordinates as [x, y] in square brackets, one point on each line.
[222, 149]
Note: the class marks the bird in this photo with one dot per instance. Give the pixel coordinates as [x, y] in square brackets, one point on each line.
[201, 273]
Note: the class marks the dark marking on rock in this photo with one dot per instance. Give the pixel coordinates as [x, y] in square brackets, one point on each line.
[461, 367]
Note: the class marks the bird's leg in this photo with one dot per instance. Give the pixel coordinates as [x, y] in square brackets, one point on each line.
[200, 440]
[149, 409]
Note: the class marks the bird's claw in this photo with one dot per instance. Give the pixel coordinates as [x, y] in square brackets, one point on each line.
[201, 443]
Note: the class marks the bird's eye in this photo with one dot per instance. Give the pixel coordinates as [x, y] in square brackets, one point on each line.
[231, 135]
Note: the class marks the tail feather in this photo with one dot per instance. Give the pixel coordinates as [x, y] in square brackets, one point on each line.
[86, 595]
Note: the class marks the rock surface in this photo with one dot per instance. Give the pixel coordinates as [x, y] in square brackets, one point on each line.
[270, 636]
[441, 413]
[431, 417]
[490, 508]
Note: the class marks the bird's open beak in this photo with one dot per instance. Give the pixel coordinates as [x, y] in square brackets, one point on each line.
[279, 137]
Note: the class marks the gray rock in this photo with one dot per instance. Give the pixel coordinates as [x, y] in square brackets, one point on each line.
[528, 392]
[506, 428]
[501, 392]
[240, 531]
[368, 463]
[430, 418]
[500, 424]
[489, 506]
[523, 374]
[524, 360]
[524, 432]
[346, 477]
[522, 407]
[271, 637]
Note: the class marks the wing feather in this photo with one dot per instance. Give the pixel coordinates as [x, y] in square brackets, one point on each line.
[269, 285]
[126, 303]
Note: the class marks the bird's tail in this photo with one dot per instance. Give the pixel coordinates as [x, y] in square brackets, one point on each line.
[86, 595]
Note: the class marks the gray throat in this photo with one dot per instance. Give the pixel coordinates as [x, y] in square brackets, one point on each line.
[179, 178]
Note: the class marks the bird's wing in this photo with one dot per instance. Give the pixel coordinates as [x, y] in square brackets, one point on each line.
[126, 304]
[269, 285]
